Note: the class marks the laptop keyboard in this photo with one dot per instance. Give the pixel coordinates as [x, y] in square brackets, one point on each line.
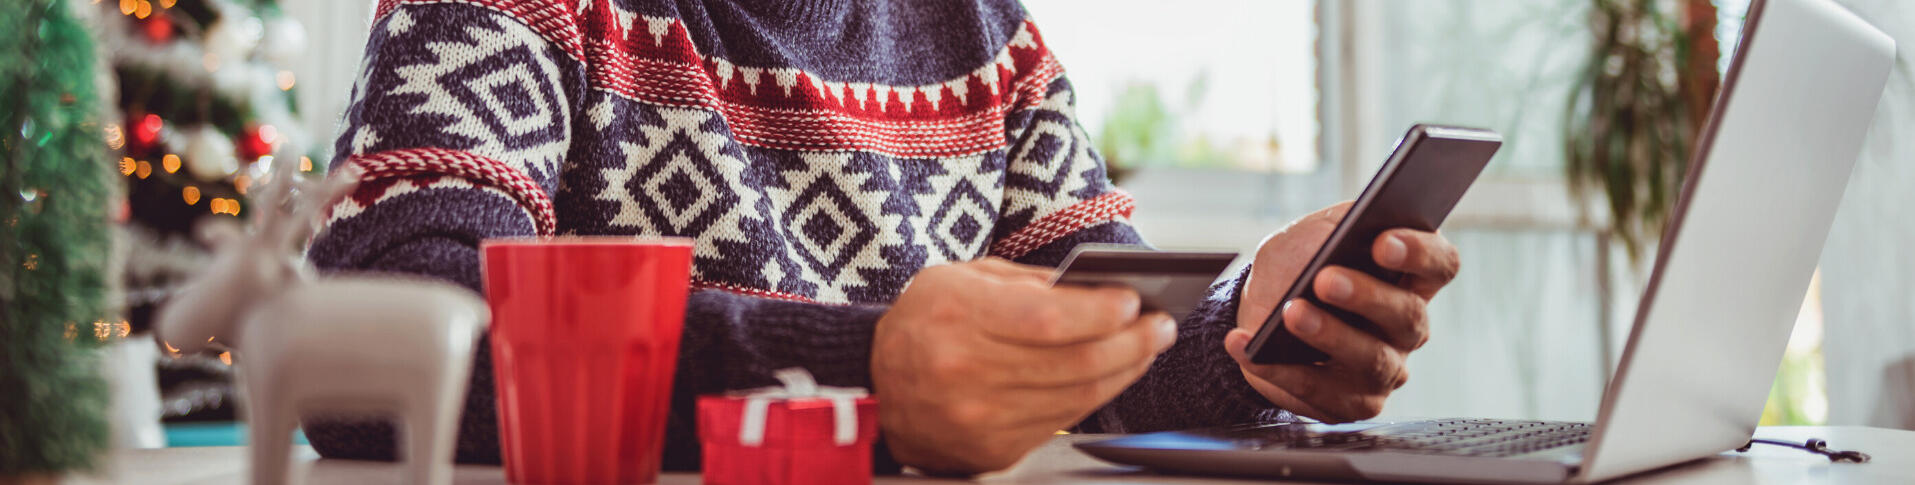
[1466, 437]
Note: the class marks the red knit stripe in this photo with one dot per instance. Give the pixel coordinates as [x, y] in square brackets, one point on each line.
[830, 129]
[479, 169]
[668, 69]
[746, 290]
[1095, 210]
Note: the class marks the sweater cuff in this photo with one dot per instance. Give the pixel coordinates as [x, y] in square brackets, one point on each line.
[1240, 388]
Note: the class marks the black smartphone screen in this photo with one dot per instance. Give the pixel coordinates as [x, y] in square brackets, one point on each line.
[1425, 176]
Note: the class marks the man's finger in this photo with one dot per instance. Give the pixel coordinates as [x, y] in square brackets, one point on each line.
[1300, 380]
[1427, 260]
[1036, 314]
[1349, 349]
[1088, 362]
[1061, 407]
[1395, 310]
[1004, 268]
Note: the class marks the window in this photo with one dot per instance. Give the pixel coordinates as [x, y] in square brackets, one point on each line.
[1224, 84]
[1241, 115]
[1524, 321]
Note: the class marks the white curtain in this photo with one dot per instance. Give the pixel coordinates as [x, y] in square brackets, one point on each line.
[336, 33]
[1868, 271]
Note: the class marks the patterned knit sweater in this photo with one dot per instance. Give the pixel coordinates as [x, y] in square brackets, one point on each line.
[819, 152]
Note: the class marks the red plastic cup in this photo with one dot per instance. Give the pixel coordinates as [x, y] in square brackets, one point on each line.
[584, 342]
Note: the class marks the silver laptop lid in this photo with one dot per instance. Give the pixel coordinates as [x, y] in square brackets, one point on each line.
[1744, 239]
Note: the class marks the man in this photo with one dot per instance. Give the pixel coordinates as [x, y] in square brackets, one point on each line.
[877, 191]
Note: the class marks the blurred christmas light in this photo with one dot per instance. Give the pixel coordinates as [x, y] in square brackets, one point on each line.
[158, 29]
[32, 263]
[103, 330]
[170, 349]
[170, 163]
[191, 194]
[258, 171]
[305, 164]
[286, 80]
[127, 6]
[115, 137]
[226, 358]
[144, 170]
[143, 10]
[146, 133]
[167, 3]
[241, 182]
[224, 206]
[127, 165]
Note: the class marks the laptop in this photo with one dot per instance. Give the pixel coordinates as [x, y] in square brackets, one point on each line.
[1741, 244]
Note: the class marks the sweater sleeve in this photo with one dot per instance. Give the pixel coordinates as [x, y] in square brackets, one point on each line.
[451, 160]
[1057, 195]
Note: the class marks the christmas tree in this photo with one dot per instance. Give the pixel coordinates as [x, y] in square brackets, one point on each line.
[205, 105]
[54, 195]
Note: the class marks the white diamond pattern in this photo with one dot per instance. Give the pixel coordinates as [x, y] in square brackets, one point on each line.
[533, 75]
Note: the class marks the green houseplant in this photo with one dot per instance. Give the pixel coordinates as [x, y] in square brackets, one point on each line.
[1636, 111]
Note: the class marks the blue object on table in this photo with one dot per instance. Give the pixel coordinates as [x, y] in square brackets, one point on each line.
[213, 433]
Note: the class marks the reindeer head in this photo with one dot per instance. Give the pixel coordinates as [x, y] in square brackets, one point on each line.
[249, 267]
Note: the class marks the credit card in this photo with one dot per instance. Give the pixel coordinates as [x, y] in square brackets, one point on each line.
[1170, 281]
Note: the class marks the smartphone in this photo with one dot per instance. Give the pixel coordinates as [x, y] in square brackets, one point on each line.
[1169, 281]
[1428, 172]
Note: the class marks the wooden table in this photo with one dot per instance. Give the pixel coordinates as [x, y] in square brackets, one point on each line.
[1057, 462]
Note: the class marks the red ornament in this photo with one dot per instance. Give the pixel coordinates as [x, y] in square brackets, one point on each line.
[158, 28]
[256, 142]
[145, 136]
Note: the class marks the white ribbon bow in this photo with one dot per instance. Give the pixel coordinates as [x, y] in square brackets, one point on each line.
[798, 384]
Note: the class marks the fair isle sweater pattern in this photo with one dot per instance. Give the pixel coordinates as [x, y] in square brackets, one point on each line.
[818, 152]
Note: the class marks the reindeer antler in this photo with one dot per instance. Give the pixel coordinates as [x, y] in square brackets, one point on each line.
[270, 196]
[317, 195]
[288, 205]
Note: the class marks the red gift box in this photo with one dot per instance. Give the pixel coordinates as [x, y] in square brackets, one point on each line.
[798, 434]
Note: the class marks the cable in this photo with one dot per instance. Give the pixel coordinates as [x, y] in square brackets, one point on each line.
[1813, 445]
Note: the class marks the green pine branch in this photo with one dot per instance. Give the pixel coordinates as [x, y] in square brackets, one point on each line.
[54, 193]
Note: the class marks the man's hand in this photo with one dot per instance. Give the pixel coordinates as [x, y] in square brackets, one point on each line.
[1363, 369]
[978, 363]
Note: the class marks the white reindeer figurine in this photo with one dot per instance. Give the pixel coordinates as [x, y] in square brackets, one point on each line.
[302, 344]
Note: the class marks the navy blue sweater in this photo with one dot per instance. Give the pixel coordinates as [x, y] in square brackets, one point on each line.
[819, 152]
